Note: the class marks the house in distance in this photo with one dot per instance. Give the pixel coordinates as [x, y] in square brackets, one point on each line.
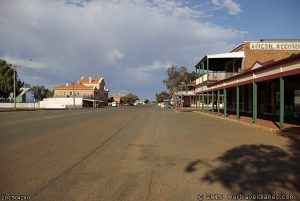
[86, 92]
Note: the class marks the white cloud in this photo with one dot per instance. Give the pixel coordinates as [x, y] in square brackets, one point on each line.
[232, 7]
[176, 9]
[114, 55]
[157, 65]
[110, 38]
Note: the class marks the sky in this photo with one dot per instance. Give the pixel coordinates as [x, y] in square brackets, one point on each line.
[131, 43]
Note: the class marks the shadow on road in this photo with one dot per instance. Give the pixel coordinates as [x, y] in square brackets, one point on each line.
[254, 169]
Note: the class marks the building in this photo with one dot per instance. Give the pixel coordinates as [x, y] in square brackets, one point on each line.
[257, 78]
[86, 92]
[139, 102]
[116, 96]
[187, 94]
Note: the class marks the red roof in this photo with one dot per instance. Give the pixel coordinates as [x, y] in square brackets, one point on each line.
[86, 80]
[77, 86]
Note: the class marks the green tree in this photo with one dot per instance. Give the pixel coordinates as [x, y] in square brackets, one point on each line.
[192, 76]
[40, 92]
[129, 98]
[146, 101]
[176, 76]
[160, 97]
[7, 80]
[111, 99]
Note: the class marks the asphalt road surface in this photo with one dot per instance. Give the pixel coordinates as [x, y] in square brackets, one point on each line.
[141, 153]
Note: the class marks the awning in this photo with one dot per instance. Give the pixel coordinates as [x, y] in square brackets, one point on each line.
[219, 59]
[232, 55]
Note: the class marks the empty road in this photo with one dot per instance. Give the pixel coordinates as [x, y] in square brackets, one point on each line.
[141, 153]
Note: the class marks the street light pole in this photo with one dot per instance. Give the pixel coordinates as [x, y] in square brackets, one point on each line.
[73, 96]
[182, 94]
[14, 68]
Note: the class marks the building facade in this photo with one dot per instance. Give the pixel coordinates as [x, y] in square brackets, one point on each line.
[91, 90]
[258, 78]
[187, 95]
[116, 96]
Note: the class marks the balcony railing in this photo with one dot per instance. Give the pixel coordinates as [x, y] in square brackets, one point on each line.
[185, 93]
[215, 76]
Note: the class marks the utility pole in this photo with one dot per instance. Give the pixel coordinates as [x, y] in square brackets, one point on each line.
[14, 68]
[73, 96]
[182, 83]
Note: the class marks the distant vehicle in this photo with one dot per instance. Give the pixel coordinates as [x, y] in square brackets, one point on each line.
[114, 104]
[169, 106]
[139, 102]
[165, 104]
[162, 105]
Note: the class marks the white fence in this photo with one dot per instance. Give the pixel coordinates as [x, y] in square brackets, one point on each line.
[20, 105]
[61, 103]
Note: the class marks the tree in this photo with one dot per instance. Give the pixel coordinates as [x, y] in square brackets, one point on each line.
[192, 76]
[111, 99]
[7, 80]
[146, 101]
[129, 98]
[40, 92]
[176, 76]
[163, 96]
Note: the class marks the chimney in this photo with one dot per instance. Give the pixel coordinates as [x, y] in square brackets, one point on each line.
[67, 84]
[90, 80]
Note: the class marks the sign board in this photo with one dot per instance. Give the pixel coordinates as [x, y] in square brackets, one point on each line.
[275, 46]
[30, 97]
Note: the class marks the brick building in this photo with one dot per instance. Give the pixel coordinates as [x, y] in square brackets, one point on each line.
[257, 78]
[92, 90]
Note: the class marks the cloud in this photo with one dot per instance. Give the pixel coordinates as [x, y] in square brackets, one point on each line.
[114, 55]
[128, 42]
[157, 65]
[176, 9]
[232, 7]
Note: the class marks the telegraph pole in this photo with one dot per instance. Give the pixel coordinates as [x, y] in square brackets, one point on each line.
[73, 96]
[182, 83]
[14, 68]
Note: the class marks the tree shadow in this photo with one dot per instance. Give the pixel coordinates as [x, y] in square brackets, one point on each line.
[255, 169]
